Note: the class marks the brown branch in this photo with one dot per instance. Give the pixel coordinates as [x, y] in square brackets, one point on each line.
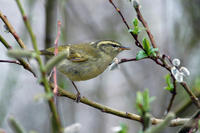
[109, 110]
[173, 92]
[22, 62]
[10, 61]
[12, 30]
[144, 23]
[192, 96]
[127, 60]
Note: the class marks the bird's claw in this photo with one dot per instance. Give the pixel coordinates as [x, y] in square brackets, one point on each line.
[78, 97]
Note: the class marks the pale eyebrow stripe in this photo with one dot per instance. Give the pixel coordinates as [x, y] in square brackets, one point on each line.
[106, 42]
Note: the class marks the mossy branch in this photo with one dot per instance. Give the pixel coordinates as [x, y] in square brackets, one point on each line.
[109, 110]
[55, 117]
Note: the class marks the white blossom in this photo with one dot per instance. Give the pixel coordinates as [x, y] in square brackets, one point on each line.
[185, 71]
[174, 70]
[74, 128]
[116, 129]
[179, 74]
[176, 62]
[136, 4]
[115, 64]
[179, 77]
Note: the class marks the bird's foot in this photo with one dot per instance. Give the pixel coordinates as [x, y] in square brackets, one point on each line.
[78, 97]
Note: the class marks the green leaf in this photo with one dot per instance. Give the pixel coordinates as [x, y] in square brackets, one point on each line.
[135, 22]
[140, 55]
[153, 51]
[143, 101]
[146, 100]
[124, 128]
[146, 46]
[169, 86]
[135, 31]
[151, 99]
[139, 102]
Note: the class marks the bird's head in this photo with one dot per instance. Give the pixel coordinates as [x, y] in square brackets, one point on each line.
[111, 48]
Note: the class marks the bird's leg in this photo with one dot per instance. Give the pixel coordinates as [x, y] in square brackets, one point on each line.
[78, 94]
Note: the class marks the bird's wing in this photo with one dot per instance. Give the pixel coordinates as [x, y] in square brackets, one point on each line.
[77, 52]
[76, 55]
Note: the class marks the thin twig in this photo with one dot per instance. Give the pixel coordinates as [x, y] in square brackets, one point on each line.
[55, 90]
[173, 93]
[8, 46]
[27, 24]
[109, 110]
[12, 30]
[10, 61]
[192, 96]
[22, 62]
[144, 23]
[129, 60]
[125, 22]
[126, 60]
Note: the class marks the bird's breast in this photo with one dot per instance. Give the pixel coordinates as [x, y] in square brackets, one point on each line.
[78, 71]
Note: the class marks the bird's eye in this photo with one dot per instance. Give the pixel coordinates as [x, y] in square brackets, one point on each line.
[115, 46]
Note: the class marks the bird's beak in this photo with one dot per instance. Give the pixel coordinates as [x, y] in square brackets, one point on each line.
[124, 48]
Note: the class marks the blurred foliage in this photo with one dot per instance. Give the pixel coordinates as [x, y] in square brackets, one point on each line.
[7, 92]
[124, 128]
[143, 101]
[170, 85]
[187, 30]
[15, 125]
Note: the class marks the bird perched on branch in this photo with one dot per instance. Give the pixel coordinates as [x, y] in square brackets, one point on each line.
[86, 60]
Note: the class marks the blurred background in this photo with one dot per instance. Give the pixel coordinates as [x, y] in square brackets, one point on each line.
[174, 24]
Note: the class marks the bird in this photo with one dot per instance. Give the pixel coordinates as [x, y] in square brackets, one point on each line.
[85, 61]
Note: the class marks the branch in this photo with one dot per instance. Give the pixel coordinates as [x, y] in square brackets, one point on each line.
[56, 123]
[27, 24]
[173, 94]
[191, 94]
[144, 23]
[55, 90]
[129, 60]
[158, 128]
[22, 62]
[125, 22]
[108, 110]
[8, 46]
[10, 61]
[12, 30]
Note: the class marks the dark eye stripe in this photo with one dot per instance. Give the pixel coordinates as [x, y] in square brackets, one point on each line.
[115, 46]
